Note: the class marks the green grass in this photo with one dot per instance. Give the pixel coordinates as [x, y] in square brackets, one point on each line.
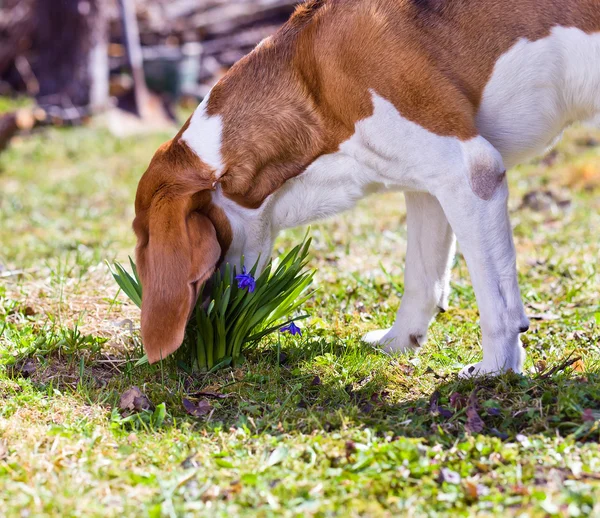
[320, 425]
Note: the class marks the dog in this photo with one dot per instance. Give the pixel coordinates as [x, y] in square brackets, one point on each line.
[435, 98]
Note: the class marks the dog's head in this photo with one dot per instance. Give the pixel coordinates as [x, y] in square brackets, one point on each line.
[201, 203]
[181, 237]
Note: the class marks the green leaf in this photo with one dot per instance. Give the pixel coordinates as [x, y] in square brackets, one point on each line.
[226, 362]
[158, 417]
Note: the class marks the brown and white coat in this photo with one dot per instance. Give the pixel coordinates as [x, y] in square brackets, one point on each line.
[352, 97]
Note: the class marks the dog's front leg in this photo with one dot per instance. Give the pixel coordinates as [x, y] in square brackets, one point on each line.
[475, 202]
[429, 254]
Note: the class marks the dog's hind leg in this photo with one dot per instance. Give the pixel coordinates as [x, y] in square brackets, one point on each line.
[431, 247]
[474, 198]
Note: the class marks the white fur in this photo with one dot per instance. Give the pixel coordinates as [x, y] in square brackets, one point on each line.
[536, 90]
[431, 247]
[252, 231]
[204, 136]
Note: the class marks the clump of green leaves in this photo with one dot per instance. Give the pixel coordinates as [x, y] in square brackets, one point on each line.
[243, 308]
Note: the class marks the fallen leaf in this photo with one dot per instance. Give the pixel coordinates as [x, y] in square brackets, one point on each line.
[235, 488]
[436, 409]
[28, 311]
[446, 413]
[457, 400]
[471, 491]
[366, 408]
[133, 400]
[433, 402]
[199, 409]
[474, 423]
[578, 366]
[588, 416]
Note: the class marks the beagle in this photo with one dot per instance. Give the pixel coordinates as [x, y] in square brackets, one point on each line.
[436, 98]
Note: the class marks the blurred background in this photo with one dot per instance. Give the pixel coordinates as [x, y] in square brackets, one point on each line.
[81, 58]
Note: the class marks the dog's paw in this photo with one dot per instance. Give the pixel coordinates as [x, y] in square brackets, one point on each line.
[475, 370]
[484, 368]
[391, 343]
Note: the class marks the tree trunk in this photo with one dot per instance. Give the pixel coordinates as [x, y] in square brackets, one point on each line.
[69, 53]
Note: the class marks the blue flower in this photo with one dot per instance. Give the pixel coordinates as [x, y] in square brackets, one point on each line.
[246, 281]
[292, 329]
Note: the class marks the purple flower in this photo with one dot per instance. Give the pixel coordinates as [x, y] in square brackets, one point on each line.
[292, 329]
[246, 281]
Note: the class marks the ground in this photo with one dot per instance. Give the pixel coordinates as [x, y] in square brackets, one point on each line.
[319, 425]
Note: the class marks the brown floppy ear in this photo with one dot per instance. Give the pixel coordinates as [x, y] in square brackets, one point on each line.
[181, 253]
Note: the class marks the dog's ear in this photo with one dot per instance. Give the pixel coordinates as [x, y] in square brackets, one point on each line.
[177, 249]
[181, 254]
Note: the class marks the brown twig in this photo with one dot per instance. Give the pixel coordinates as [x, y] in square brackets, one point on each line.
[560, 367]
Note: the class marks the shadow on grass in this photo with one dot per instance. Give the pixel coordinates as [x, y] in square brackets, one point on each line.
[326, 386]
[390, 401]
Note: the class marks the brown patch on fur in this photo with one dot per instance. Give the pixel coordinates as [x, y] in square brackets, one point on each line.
[485, 179]
[485, 182]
